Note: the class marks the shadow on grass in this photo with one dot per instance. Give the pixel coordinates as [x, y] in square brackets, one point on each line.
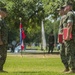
[28, 72]
[38, 72]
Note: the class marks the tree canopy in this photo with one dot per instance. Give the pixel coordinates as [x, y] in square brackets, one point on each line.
[31, 12]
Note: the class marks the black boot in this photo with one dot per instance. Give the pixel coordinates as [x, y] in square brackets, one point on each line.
[73, 70]
[66, 69]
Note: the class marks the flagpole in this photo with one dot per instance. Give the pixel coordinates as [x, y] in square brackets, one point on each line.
[20, 19]
[21, 51]
[20, 43]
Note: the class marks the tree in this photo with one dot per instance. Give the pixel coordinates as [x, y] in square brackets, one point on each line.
[31, 12]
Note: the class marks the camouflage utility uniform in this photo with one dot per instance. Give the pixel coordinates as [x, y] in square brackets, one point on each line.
[3, 45]
[70, 44]
[63, 45]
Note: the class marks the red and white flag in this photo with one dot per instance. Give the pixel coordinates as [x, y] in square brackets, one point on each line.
[22, 36]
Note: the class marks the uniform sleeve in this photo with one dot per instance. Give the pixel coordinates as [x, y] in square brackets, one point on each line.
[4, 32]
[60, 26]
[70, 18]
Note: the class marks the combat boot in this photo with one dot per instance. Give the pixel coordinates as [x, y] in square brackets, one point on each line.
[66, 70]
[1, 70]
[72, 71]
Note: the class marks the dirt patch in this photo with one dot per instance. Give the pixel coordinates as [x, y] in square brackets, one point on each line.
[36, 55]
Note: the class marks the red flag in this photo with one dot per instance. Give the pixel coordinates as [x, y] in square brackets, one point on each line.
[23, 35]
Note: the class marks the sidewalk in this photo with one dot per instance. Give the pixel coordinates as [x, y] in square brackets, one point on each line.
[34, 52]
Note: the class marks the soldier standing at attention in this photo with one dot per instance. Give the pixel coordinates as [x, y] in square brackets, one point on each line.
[70, 25]
[62, 44]
[3, 39]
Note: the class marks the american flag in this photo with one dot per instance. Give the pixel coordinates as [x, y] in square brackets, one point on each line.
[22, 36]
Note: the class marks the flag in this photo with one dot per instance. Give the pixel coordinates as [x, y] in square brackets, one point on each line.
[22, 45]
[22, 36]
[20, 33]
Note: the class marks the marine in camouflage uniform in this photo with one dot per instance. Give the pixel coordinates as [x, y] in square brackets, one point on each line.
[63, 45]
[3, 39]
[70, 43]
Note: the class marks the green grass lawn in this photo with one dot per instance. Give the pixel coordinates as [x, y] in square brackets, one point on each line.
[29, 65]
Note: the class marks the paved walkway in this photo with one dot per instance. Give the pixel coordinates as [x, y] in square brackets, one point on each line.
[33, 51]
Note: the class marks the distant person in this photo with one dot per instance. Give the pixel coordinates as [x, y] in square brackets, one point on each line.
[58, 46]
[13, 45]
[51, 42]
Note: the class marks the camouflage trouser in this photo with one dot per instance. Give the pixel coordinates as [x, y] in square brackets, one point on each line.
[3, 54]
[71, 53]
[63, 54]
